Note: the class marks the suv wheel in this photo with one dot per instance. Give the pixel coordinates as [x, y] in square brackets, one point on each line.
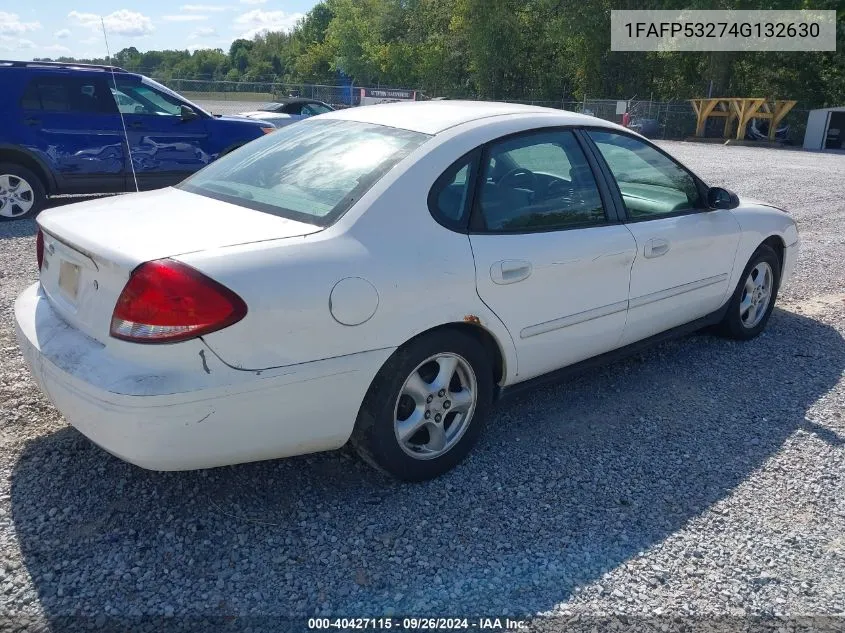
[22, 194]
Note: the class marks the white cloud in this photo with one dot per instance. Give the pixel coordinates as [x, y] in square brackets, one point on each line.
[121, 22]
[55, 48]
[184, 18]
[258, 21]
[203, 31]
[62, 34]
[11, 44]
[202, 8]
[10, 24]
[253, 1]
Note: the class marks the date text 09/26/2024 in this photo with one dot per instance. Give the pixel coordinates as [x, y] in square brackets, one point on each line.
[417, 624]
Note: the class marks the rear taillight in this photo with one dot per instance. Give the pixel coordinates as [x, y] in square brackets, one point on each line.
[39, 248]
[166, 301]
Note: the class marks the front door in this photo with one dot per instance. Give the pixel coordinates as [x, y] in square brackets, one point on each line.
[166, 147]
[685, 252]
[549, 262]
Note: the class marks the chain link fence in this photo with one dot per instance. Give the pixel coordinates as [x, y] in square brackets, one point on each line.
[654, 119]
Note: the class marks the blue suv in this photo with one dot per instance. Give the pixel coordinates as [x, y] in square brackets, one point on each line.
[72, 128]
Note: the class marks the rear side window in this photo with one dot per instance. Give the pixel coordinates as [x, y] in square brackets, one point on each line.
[538, 181]
[68, 94]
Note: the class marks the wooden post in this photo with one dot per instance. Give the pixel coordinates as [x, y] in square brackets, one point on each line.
[782, 108]
[729, 122]
[703, 109]
[741, 110]
[745, 109]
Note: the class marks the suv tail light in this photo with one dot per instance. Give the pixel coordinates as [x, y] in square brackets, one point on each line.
[166, 301]
[39, 248]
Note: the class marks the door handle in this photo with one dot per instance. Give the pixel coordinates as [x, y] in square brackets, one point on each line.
[136, 124]
[32, 121]
[510, 271]
[656, 247]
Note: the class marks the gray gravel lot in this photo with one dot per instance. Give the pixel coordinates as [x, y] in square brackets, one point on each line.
[703, 478]
[224, 106]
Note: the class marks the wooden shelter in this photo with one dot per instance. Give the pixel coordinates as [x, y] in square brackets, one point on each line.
[740, 111]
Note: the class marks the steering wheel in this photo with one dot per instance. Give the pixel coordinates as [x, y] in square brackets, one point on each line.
[559, 188]
[519, 172]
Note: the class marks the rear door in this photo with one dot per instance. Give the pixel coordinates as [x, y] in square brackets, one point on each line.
[166, 147]
[71, 120]
[551, 260]
[685, 252]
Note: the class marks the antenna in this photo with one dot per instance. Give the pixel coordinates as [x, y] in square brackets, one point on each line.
[119, 111]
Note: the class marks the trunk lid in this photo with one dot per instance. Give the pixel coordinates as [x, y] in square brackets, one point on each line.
[90, 248]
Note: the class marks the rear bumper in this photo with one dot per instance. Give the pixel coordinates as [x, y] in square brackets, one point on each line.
[227, 417]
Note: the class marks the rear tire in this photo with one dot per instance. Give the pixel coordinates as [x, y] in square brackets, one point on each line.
[22, 194]
[426, 406]
[754, 298]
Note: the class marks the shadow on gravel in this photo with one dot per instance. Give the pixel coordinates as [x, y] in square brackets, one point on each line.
[17, 228]
[568, 482]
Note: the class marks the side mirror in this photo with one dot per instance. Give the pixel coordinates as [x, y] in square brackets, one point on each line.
[719, 198]
[187, 113]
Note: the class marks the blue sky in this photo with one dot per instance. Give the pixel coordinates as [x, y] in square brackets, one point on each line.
[72, 27]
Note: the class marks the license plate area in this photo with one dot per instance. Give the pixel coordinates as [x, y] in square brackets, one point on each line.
[69, 280]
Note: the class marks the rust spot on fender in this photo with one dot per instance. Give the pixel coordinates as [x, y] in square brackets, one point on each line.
[471, 318]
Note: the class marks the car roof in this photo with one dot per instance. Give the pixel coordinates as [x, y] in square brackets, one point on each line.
[291, 100]
[61, 66]
[433, 117]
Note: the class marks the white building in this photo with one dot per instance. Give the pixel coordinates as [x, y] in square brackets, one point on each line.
[825, 129]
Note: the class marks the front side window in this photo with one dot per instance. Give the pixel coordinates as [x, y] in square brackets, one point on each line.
[139, 98]
[651, 183]
[68, 94]
[312, 172]
[540, 181]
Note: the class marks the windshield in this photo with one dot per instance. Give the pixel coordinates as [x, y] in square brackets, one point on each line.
[312, 171]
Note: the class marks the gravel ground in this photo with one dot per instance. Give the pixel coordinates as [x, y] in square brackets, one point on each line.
[703, 478]
[224, 106]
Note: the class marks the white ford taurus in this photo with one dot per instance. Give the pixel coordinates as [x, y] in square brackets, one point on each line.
[380, 275]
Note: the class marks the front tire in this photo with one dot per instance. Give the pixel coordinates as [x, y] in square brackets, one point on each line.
[426, 407]
[754, 298]
[22, 194]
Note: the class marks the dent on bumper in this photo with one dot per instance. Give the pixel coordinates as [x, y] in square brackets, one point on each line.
[232, 417]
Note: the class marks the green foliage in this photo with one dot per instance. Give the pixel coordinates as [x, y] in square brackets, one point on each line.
[503, 49]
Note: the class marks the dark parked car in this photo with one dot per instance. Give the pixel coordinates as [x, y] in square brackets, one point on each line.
[62, 131]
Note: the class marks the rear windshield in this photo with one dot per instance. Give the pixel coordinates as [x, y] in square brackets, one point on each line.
[311, 171]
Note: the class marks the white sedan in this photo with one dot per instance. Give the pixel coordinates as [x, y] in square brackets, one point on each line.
[379, 276]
